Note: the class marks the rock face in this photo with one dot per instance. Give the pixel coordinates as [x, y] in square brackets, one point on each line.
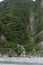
[42, 4]
[41, 33]
[41, 48]
[41, 45]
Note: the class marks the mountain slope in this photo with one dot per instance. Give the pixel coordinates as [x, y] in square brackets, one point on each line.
[21, 25]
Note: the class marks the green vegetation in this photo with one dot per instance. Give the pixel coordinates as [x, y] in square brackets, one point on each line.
[15, 28]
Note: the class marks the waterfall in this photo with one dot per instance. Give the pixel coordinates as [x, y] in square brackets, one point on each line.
[32, 22]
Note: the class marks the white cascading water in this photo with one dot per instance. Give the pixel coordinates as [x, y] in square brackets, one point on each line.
[1, 0]
[23, 60]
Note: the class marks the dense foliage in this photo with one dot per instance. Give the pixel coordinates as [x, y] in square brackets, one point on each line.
[15, 31]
